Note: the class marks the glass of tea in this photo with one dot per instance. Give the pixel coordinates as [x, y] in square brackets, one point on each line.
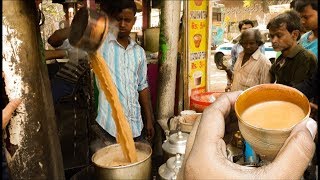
[266, 115]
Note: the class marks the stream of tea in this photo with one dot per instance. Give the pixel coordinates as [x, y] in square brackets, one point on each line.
[124, 133]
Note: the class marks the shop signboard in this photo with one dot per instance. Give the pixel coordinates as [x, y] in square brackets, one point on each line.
[196, 46]
[279, 8]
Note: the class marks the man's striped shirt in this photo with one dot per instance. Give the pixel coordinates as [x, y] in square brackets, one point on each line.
[128, 69]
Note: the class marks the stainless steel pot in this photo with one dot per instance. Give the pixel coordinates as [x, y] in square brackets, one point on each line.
[176, 143]
[138, 170]
[88, 29]
[170, 169]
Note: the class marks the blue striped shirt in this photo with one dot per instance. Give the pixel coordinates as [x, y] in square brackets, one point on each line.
[128, 69]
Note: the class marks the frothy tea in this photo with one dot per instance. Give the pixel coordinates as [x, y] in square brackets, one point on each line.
[273, 115]
[113, 157]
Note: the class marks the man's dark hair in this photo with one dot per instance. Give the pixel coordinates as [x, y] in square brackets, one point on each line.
[257, 35]
[246, 21]
[299, 5]
[114, 7]
[129, 4]
[290, 19]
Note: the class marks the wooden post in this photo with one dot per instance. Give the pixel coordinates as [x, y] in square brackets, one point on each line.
[146, 11]
[168, 49]
[90, 4]
[32, 144]
[185, 62]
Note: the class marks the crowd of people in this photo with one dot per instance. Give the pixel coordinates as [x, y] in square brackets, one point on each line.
[297, 66]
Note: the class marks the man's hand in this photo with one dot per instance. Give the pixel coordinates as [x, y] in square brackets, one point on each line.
[150, 131]
[148, 120]
[8, 110]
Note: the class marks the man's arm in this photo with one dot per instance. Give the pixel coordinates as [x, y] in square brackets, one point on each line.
[55, 54]
[233, 55]
[229, 74]
[229, 71]
[146, 107]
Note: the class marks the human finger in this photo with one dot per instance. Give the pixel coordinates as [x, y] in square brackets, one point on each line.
[206, 136]
[189, 146]
[8, 110]
[212, 124]
[298, 150]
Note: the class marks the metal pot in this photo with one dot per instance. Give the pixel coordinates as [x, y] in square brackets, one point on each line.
[88, 29]
[175, 143]
[170, 169]
[138, 170]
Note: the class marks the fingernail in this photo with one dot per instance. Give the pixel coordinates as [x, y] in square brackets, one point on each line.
[312, 127]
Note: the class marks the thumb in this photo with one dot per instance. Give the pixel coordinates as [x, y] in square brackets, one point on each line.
[189, 146]
[298, 150]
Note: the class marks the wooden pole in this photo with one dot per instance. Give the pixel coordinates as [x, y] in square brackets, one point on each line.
[32, 144]
[185, 62]
[90, 4]
[168, 49]
[146, 11]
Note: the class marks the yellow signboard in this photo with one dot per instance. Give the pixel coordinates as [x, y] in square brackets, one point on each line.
[197, 44]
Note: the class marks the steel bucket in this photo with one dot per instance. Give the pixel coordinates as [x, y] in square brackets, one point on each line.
[139, 170]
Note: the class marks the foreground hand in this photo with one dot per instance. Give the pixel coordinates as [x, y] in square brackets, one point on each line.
[206, 156]
[8, 110]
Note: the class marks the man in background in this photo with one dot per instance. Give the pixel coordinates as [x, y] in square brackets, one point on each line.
[237, 48]
[308, 11]
[295, 64]
[252, 67]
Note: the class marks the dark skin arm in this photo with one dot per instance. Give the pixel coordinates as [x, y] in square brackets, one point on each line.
[228, 71]
[57, 38]
[229, 74]
[148, 118]
[55, 54]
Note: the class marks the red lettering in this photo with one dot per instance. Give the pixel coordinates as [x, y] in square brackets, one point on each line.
[202, 25]
[194, 25]
[193, 66]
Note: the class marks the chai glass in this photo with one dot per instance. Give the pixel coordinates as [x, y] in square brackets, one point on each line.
[268, 136]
